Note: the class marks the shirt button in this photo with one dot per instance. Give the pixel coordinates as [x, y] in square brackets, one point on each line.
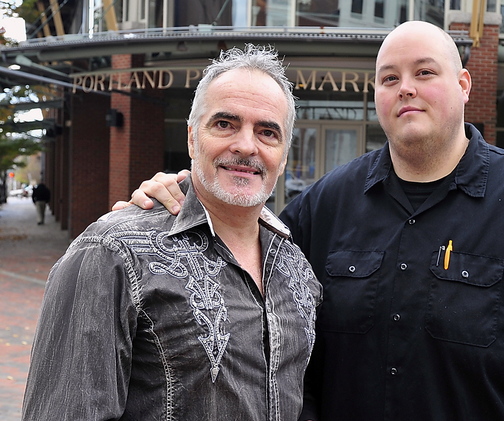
[396, 317]
[465, 274]
[393, 371]
[351, 269]
[404, 266]
[411, 221]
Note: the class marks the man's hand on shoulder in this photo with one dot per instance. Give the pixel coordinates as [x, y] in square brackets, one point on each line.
[162, 187]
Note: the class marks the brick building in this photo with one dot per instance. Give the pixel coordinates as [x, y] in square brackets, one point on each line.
[119, 81]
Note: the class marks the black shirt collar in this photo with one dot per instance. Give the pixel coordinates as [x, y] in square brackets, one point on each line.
[471, 174]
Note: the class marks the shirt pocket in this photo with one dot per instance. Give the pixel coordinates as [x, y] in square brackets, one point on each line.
[464, 299]
[350, 291]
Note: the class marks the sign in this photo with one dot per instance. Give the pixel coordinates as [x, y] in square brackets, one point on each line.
[337, 80]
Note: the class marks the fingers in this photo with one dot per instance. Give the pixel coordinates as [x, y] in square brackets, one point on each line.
[139, 198]
[121, 204]
[182, 175]
[164, 188]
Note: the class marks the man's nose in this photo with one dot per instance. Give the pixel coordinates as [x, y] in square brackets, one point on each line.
[407, 89]
[245, 143]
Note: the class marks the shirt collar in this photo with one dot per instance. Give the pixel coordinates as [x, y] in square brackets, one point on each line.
[193, 213]
[471, 173]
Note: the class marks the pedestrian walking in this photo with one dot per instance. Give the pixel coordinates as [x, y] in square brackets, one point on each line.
[41, 196]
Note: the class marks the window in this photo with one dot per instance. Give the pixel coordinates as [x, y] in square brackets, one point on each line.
[357, 7]
[379, 9]
[317, 13]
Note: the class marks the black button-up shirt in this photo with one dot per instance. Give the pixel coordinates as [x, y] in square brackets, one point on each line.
[399, 336]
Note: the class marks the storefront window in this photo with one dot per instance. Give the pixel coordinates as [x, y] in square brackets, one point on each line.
[194, 12]
[330, 110]
[317, 148]
[317, 13]
[340, 147]
[302, 161]
[375, 137]
[371, 111]
[330, 105]
[491, 5]
[430, 11]
[357, 7]
[379, 10]
[454, 4]
[273, 13]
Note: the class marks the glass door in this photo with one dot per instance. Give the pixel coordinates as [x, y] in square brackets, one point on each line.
[317, 147]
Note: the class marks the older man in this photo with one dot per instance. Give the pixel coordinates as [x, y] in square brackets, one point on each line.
[209, 315]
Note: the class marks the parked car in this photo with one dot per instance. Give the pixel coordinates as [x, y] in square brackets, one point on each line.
[28, 190]
[16, 193]
[23, 192]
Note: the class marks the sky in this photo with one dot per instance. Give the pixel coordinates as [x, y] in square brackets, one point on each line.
[14, 28]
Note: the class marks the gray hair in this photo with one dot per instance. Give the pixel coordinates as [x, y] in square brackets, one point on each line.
[253, 57]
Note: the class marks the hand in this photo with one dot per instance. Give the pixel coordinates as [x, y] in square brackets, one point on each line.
[163, 187]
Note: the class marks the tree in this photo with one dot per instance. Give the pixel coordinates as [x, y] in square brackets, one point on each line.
[11, 148]
[14, 141]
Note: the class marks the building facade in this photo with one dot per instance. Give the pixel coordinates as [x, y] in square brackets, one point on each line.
[118, 79]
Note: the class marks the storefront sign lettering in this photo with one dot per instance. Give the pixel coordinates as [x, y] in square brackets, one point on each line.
[320, 81]
[134, 79]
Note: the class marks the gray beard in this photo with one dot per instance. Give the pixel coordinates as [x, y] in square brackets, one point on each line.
[235, 199]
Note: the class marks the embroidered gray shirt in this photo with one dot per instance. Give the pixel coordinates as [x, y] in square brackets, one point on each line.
[149, 317]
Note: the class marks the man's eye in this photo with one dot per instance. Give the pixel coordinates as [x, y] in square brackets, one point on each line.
[223, 124]
[389, 79]
[269, 133]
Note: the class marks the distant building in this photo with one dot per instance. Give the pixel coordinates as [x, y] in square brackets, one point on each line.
[118, 78]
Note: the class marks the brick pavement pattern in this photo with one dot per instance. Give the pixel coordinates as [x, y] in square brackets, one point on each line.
[27, 253]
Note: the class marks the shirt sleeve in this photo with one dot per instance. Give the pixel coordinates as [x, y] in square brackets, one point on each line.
[82, 351]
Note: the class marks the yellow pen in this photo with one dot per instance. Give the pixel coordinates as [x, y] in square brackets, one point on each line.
[447, 254]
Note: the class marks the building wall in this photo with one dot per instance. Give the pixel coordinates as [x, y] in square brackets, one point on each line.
[106, 164]
[136, 148]
[481, 108]
[89, 161]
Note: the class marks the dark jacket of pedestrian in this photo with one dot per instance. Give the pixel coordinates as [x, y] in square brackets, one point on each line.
[41, 193]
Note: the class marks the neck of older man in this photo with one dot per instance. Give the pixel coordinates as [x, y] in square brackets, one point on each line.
[238, 228]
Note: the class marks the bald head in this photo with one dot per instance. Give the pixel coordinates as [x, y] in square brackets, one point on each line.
[423, 30]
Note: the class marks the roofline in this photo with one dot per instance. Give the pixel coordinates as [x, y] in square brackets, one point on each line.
[153, 39]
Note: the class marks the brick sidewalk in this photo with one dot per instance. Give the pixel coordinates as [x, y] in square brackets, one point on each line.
[27, 253]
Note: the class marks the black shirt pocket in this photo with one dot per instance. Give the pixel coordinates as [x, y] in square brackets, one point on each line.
[350, 289]
[464, 299]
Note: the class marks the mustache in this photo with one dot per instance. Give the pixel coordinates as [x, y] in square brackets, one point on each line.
[247, 162]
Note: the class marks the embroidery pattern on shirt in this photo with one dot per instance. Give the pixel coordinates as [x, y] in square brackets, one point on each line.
[182, 257]
[300, 274]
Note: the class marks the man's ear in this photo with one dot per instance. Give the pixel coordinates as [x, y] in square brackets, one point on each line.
[190, 141]
[281, 169]
[465, 82]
